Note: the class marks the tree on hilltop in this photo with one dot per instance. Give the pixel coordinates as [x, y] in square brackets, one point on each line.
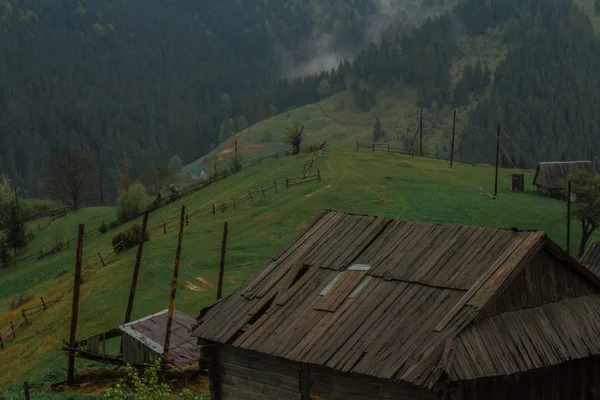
[70, 179]
[293, 136]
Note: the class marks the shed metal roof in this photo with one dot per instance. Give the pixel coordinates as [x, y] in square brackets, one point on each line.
[416, 286]
[550, 175]
[151, 332]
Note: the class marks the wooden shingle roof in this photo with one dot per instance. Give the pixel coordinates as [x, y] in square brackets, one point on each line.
[550, 175]
[369, 295]
[591, 258]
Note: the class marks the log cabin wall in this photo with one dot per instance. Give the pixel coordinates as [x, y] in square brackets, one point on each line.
[247, 375]
[575, 380]
[545, 280]
[327, 384]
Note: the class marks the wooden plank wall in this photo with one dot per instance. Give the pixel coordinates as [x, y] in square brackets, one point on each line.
[327, 384]
[247, 375]
[578, 379]
[545, 280]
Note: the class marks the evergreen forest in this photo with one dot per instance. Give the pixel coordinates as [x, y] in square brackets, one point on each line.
[156, 78]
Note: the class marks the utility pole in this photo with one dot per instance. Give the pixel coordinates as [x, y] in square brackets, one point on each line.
[453, 132]
[136, 268]
[569, 219]
[421, 134]
[165, 354]
[222, 266]
[497, 159]
[101, 188]
[75, 309]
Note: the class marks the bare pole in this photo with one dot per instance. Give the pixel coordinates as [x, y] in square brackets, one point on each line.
[222, 266]
[569, 218]
[453, 132]
[136, 268]
[421, 134]
[173, 289]
[497, 160]
[101, 188]
[75, 310]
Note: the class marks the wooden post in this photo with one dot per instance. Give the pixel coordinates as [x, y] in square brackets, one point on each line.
[187, 219]
[165, 227]
[222, 265]
[569, 218]
[275, 185]
[286, 183]
[24, 317]
[373, 147]
[263, 192]
[453, 132]
[173, 290]
[319, 173]
[12, 328]
[234, 207]
[101, 189]
[260, 160]
[136, 268]
[250, 194]
[26, 390]
[214, 209]
[421, 134]
[357, 145]
[43, 303]
[101, 260]
[75, 310]
[1, 344]
[497, 160]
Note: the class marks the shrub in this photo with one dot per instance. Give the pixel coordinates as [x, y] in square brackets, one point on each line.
[128, 238]
[131, 203]
[145, 387]
[173, 192]
[19, 300]
[103, 228]
[4, 253]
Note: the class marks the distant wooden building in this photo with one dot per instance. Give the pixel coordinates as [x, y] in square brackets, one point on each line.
[550, 177]
[359, 307]
[197, 174]
[591, 258]
[143, 342]
[516, 182]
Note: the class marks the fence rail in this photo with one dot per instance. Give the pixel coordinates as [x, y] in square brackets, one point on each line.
[382, 148]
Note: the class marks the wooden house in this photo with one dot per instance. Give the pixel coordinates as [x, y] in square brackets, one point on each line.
[197, 174]
[143, 342]
[550, 177]
[591, 258]
[359, 307]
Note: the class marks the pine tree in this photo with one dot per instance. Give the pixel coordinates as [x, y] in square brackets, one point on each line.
[16, 237]
[377, 131]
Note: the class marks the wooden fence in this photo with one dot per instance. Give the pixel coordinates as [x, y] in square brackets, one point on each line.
[56, 213]
[9, 331]
[382, 147]
[166, 226]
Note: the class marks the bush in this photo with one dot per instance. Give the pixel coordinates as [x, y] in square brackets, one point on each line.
[19, 300]
[131, 203]
[145, 387]
[4, 253]
[103, 228]
[128, 238]
[173, 192]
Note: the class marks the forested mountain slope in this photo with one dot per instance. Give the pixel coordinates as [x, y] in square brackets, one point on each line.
[155, 78]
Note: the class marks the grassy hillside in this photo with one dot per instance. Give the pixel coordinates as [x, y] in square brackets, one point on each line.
[338, 120]
[356, 182]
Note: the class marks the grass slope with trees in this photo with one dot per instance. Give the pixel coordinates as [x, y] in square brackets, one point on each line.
[403, 187]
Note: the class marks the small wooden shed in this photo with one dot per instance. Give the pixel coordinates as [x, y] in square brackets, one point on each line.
[360, 307]
[550, 177]
[516, 183]
[143, 342]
